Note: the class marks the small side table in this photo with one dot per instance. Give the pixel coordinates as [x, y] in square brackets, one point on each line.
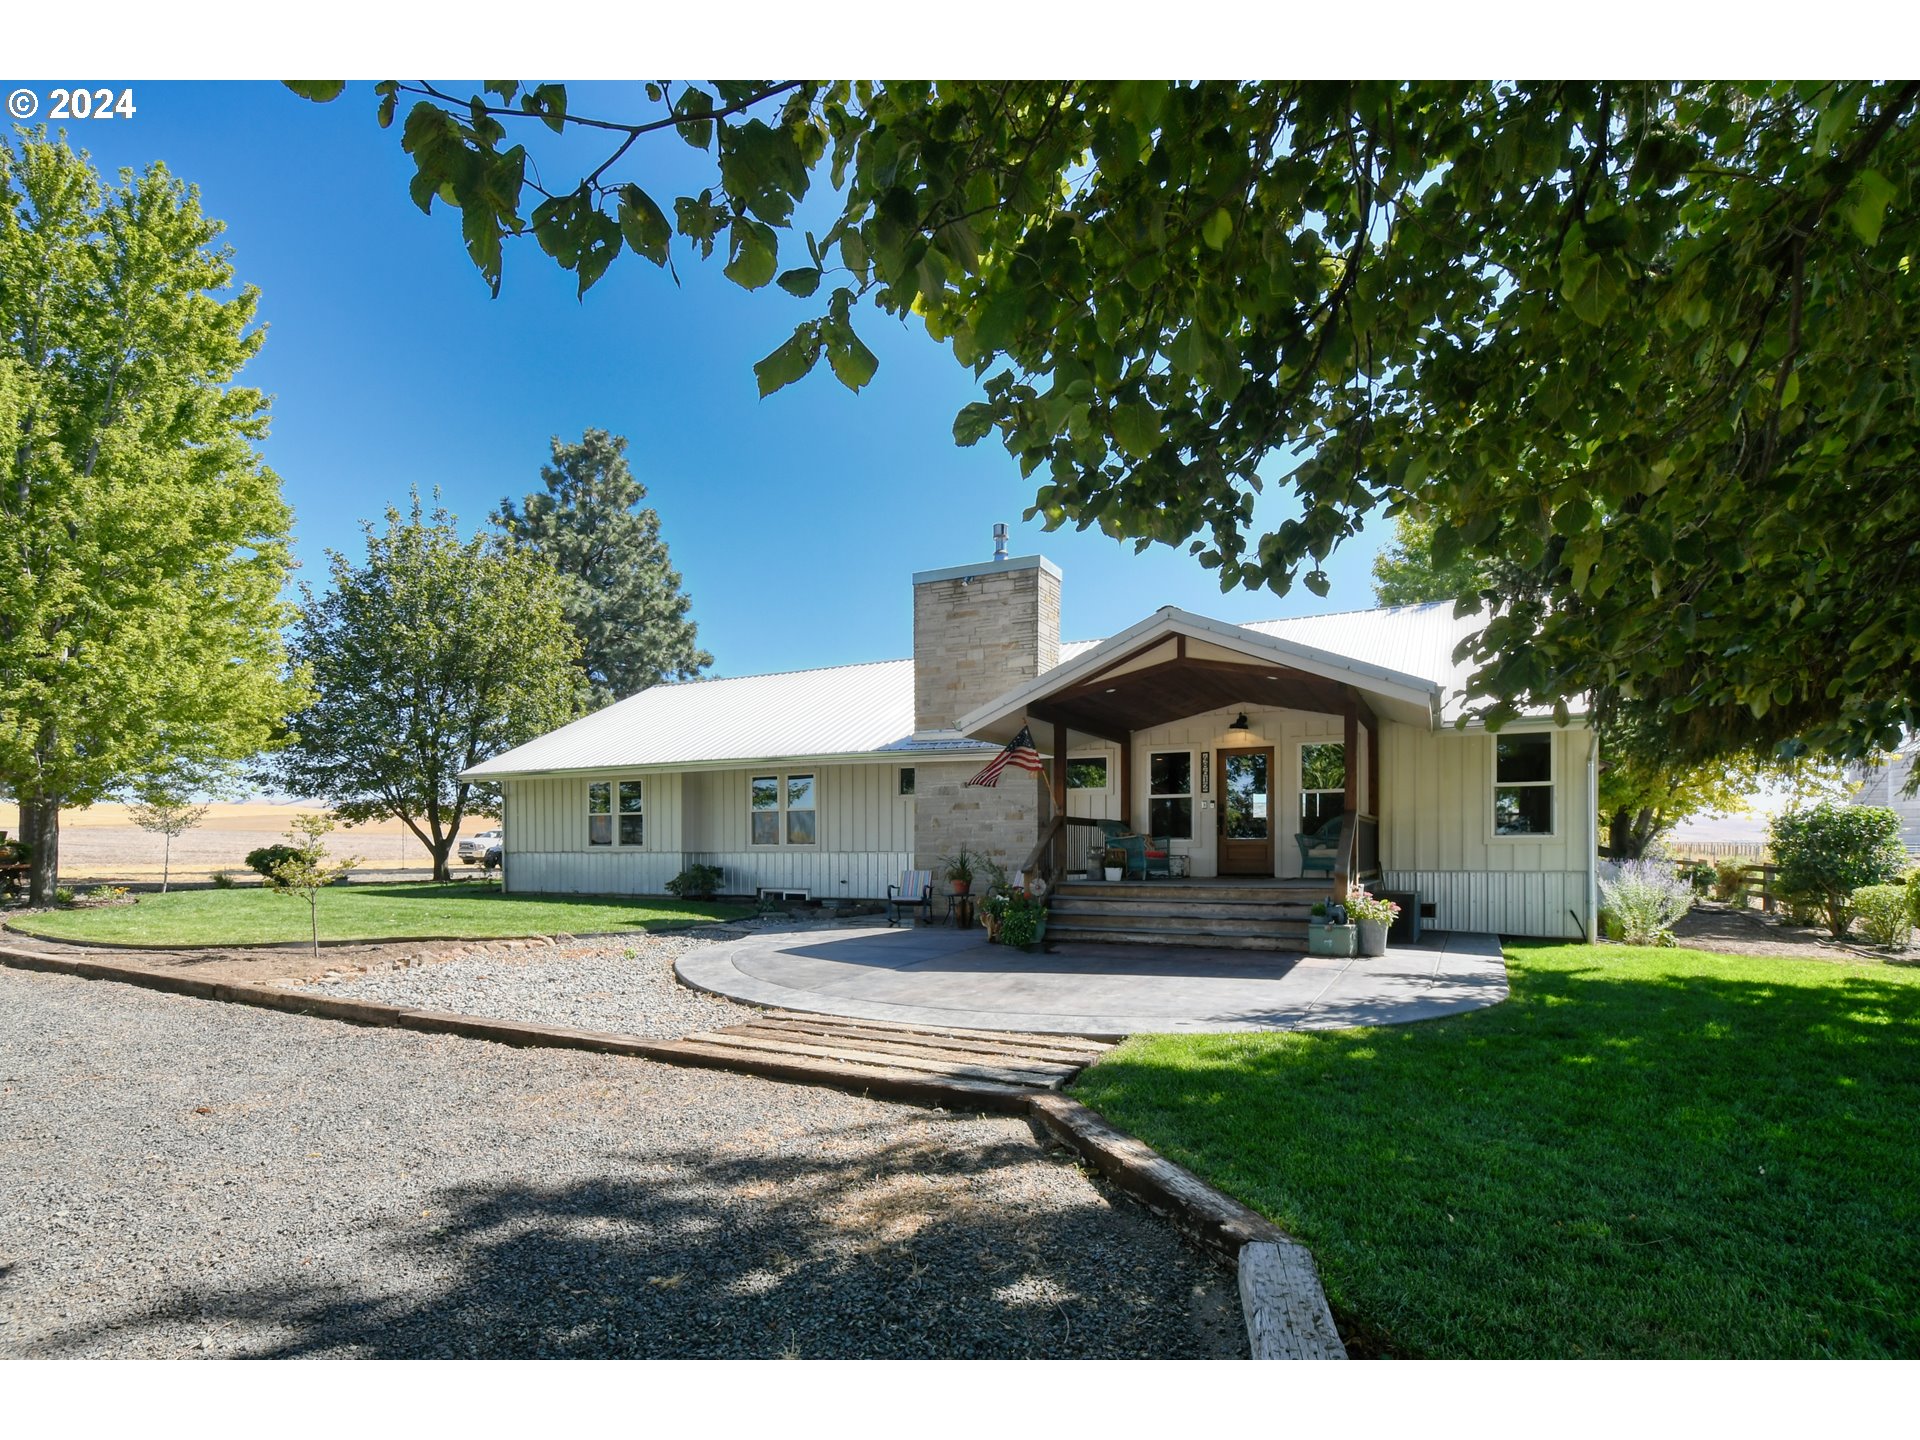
[960, 911]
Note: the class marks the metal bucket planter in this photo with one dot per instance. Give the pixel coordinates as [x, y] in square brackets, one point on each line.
[1371, 938]
[1324, 939]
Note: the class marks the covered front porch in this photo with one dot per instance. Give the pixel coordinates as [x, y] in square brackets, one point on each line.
[1225, 746]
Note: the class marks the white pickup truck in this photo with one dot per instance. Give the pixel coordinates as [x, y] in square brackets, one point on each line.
[473, 848]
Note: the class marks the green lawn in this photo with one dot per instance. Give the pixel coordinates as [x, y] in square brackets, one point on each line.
[1641, 1153]
[466, 911]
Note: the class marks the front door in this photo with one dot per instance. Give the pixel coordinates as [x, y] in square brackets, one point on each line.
[1245, 788]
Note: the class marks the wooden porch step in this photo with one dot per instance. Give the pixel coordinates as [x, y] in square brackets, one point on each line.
[1222, 891]
[1297, 908]
[1142, 920]
[1196, 939]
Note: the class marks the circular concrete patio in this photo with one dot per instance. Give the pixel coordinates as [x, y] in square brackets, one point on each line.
[931, 975]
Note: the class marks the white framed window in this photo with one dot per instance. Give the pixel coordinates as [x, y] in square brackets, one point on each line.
[632, 815]
[1170, 794]
[1524, 804]
[906, 782]
[782, 809]
[616, 813]
[1323, 783]
[1089, 772]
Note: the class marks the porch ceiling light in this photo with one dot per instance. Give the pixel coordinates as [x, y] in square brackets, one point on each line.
[1240, 723]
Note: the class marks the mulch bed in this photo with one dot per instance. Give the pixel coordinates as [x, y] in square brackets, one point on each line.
[1730, 931]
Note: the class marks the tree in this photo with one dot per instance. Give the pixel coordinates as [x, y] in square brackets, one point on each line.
[165, 812]
[145, 544]
[1406, 573]
[1832, 849]
[1644, 792]
[623, 596]
[430, 657]
[304, 869]
[1646, 342]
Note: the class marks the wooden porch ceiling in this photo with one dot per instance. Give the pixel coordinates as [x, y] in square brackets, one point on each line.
[1113, 705]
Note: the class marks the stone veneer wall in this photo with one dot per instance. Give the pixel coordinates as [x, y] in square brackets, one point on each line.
[974, 641]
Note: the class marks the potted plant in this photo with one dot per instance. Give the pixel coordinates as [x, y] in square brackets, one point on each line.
[993, 910]
[1113, 864]
[1328, 932]
[1023, 922]
[1371, 916]
[959, 870]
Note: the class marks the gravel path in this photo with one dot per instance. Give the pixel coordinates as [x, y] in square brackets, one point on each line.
[180, 1177]
[625, 986]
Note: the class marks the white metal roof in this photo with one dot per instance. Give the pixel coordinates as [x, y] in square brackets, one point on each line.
[867, 710]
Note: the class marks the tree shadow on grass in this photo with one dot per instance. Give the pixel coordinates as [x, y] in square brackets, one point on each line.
[1630, 1157]
[907, 1249]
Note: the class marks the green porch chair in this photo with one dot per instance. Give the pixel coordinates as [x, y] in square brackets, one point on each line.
[1326, 838]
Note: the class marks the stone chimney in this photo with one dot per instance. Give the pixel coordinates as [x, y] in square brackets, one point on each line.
[979, 631]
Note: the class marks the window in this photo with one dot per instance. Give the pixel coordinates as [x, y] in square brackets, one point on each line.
[600, 813]
[765, 808]
[1089, 772]
[906, 781]
[1523, 784]
[633, 820]
[799, 810]
[1170, 794]
[1323, 785]
[772, 797]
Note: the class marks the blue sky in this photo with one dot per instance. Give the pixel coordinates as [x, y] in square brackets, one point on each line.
[390, 366]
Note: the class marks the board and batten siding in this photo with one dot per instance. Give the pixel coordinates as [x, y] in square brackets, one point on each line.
[1436, 835]
[864, 828]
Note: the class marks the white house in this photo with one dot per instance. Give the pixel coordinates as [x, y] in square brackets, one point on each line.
[1886, 784]
[829, 783]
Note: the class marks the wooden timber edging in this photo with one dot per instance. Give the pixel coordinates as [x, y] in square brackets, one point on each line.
[1282, 1300]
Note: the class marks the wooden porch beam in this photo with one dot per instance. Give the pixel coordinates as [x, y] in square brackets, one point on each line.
[1051, 717]
[1059, 778]
[1352, 767]
[1126, 783]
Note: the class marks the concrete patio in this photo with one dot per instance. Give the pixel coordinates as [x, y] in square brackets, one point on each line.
[932, 975]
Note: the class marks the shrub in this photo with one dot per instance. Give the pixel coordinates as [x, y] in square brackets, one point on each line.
[269, 858]
[1698, 874]
[1883, 915]
[1834, 849]
[696, 882]
[1729, 880]
[63, 895]
[222, 880]
[1804, 909]
[1913, 896]
[1363, 906]
[1020, 921]
[1645, 897]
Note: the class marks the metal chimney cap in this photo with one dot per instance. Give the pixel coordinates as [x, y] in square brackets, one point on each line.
[1000, 542]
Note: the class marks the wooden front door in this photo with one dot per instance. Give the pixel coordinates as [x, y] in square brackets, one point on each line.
[1244, 785]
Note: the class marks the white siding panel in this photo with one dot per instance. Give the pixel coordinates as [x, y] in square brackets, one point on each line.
[824, 875]
[1549, 905]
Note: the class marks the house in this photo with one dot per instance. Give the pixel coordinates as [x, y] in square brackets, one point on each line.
[1225, 739]
[1886, 784]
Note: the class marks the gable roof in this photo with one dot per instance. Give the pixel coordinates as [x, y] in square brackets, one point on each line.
[866, 711]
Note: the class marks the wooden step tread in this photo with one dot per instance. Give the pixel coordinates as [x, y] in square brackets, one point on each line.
[1010, 1073]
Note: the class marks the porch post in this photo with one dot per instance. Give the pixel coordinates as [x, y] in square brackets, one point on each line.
[1126, 782]
[1352, 801]
[1060, 797]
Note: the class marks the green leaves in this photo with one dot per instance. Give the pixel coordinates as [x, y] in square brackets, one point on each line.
[1866, 204]
[643, 225]
[1216, 228]
[853, 363]
[754, 252]
[318, 91]
[792, 361]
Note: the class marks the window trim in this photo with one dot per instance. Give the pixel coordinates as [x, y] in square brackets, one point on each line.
[613, 813]
[1551, 785]
[1105, 759]
[780, 810]
[1302, 789]
[1190, 794]
[906, 783]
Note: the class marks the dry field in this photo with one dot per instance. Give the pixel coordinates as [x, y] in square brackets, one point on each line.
[99, 844]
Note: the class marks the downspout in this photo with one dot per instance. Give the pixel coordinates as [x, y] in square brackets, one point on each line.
[1593, 848]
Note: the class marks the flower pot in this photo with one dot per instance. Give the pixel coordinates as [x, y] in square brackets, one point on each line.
[1113, 873]
[1371, 938]
[960, 887]
[1324, 939]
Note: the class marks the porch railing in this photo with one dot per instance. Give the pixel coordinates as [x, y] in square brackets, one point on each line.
[1045, 860]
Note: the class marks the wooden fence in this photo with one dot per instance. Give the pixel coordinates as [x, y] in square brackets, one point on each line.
[1717, 849]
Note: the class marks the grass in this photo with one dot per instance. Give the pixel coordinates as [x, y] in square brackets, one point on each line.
[1641, 1153]
[463, 911]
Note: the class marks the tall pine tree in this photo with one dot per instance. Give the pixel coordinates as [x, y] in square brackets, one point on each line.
[623, 598]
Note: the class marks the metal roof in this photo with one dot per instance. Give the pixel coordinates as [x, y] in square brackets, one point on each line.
[867, 710]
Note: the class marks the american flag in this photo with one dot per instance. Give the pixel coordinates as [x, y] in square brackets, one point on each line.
[1020, 752]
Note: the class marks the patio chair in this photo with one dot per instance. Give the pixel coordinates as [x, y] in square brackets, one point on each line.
[1326, 838]
[914, 892]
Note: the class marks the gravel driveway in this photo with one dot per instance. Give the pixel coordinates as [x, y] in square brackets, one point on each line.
[180, 1177]
[625, 986]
